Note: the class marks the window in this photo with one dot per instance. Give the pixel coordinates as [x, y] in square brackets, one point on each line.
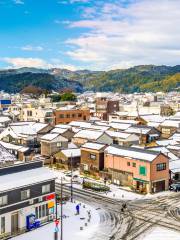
[160, 166]
[166, 131]
[36, 212]
[48, 114]
[3, 228]
[115, 141]
[46, 188]
[142, 170]
[3, 200]
[59, 144]
[29, 113]
[61, 116]
[40, 215]
[128, 163]
[47, 210]
[92, 156]
[134, 164]
[25, 194]
[73, 115]
[79, 115]
[43, 210]
[68, 115]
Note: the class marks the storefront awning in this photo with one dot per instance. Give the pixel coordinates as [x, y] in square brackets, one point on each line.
[140, 180]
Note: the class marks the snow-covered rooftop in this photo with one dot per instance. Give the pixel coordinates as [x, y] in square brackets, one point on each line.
[138, 130]
[25, 178]
[11, 146]
[171, 123]
[59, 130]
[121, 126]
[174, 165]
[80, 124]
[73, 152]
[166, 142]
[52, 136]
[5, 155]
[88, 134]
[95, 146]
[4, 119]
[121, 135]
[134, 153]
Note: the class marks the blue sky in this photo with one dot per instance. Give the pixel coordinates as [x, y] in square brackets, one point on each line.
[91, 34]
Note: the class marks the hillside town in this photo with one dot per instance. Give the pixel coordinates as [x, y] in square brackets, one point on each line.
[109, 151]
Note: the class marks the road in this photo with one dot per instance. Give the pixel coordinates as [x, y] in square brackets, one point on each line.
[140, 215]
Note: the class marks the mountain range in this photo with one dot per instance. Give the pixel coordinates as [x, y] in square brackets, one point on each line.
[143, 78]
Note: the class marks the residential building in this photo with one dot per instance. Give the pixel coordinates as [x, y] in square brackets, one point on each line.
[65, 115]
[122, 138]
[169, 127]
[20, 152]
[25, 133]
[51, 143]
[84, 136]
[147, 134]
[92, 157]
[42, 115]
[143, 170]
[27, 198]
[105, 107]
[68, 158]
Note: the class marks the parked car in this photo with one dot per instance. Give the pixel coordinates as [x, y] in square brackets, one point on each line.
[175, 187]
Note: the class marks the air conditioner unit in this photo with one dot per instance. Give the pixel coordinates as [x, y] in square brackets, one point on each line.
[31, 201]
[40, 199]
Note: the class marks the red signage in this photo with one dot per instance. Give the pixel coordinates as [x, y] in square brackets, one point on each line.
[50, 197]
[56, 222]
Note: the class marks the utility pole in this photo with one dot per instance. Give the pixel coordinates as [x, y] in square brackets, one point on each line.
[113, 170]
[56, 222]
[61, 210]
[137, 109]
[71, 179]
[56, 206]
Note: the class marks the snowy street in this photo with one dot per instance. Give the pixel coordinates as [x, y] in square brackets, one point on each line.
[71, 225]
[144, 216]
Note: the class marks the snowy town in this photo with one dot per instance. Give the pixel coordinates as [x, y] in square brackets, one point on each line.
[103, 166]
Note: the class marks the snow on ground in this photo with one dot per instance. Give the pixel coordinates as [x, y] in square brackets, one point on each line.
[71, 225]
[160, 233]
[116, 192]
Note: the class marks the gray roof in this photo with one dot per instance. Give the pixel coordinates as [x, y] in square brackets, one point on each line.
[130, 152]
[5, 155]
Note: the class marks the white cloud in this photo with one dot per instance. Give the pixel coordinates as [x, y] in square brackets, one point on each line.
[142, 32]
[36, 63]
[26, 62]
[32, 48]
[20, 2]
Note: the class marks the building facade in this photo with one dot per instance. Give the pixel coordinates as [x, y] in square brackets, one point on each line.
[65, 116]
[143, 170]
[27, 198]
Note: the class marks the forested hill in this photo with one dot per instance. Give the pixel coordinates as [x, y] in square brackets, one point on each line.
[140, 78]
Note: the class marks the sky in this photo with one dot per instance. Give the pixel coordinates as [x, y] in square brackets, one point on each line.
[89, 34]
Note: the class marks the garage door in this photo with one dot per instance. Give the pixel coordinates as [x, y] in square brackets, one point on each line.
[160, 186]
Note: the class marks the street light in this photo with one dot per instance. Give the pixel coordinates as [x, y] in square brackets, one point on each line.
[61, 210]
[71, 179]
[113, 170]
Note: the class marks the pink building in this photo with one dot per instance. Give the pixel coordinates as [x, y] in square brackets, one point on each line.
[143, 170]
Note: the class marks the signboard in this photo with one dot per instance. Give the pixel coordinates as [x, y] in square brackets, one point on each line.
[50, 204]
[49, 197]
